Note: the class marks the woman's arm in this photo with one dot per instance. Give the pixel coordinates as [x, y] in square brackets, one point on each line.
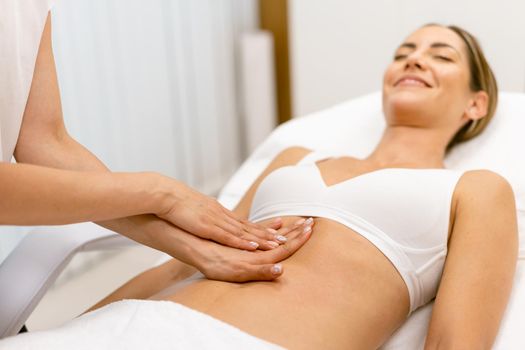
[480, 265]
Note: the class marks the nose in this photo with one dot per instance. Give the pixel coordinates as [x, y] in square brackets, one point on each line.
[414, 60]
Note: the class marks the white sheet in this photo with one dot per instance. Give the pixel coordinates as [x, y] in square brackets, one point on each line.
[139, 325]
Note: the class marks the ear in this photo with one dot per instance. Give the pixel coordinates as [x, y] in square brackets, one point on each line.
[478, 106]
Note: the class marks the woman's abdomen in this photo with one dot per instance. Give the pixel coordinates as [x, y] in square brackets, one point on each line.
[337, 289]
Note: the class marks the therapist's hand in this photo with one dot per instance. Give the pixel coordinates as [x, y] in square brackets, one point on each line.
[206, 218]
[227, 264]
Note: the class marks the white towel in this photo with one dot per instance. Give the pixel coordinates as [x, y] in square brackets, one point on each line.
[139, 324]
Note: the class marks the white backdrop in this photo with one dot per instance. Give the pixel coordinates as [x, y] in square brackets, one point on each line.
[152, 85]
[340, 48]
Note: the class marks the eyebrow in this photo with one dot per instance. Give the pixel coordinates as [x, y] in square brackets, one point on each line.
[434, 45]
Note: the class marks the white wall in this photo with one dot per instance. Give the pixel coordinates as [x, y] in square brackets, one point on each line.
[340, 48]
[153, 85]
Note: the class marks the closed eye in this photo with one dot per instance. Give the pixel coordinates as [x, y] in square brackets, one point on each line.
[398, 57]
[444, 58]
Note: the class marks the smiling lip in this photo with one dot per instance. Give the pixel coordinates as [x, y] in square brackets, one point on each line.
[414, 78]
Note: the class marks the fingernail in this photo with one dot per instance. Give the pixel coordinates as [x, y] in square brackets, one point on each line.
[273, 244]
[277, 220]
[281, 238]
[276, 269]
[300, 221]
[307, 229]
[309, 221]
[271, 230]
[254, 244]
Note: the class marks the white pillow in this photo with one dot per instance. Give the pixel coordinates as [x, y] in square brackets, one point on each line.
[355, 127]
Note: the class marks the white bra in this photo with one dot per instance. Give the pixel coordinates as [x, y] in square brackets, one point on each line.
[404, 212]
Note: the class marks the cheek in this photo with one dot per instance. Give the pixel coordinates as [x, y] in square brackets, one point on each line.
[454, 92]
[387, 77]
[456, 81]
[389, 74]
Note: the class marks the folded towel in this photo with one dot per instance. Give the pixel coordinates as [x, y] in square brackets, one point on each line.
[139, 324]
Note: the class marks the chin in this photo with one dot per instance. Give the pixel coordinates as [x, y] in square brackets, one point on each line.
[407, 102]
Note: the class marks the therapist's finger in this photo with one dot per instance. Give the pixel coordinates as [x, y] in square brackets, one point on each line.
[240, 239]
[264, 266]
[297, 237]
[229, 239]
[276, 223]
[230, 235]
[266, 239]
[266, 272]
[245, 272]
[267, 232]
[285, 231]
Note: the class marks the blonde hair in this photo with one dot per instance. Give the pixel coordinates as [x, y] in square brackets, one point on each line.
[481, 79]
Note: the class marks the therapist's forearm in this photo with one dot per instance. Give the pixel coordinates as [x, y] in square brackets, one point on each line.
[66, 153]
[36, 195]
[158, 234]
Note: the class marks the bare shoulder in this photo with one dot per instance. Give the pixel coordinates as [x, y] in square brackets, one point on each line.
[484, 187]
[484, 204]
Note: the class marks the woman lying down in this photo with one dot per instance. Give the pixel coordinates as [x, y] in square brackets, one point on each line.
[392, 231]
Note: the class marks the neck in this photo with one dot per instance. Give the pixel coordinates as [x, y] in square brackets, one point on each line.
[409, 147]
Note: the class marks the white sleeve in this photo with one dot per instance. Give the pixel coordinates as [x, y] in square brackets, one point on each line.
[21, 26]
[50, 4]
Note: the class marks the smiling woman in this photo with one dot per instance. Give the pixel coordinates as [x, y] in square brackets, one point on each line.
[389, 229]
[461, 49]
